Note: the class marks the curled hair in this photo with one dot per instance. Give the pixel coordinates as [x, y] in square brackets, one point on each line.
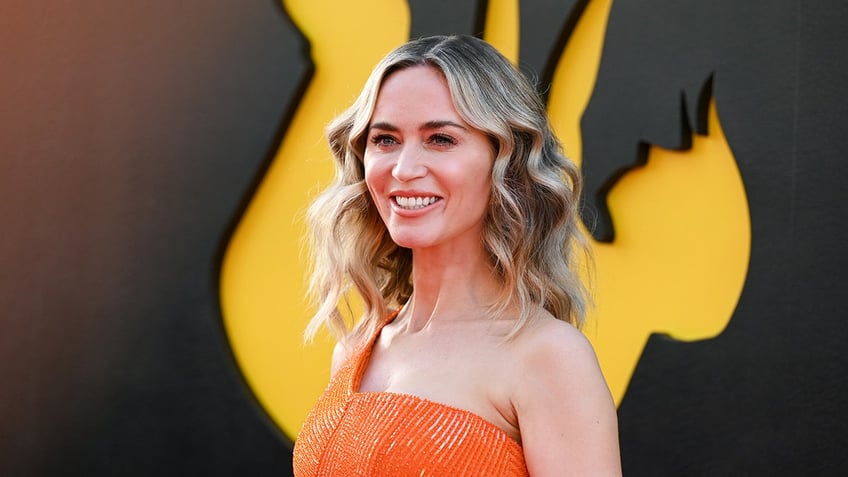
[530, 231]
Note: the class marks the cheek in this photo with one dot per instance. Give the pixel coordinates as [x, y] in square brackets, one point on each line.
[485, 186]
[484, 176]
[374, 180]
[368, 171]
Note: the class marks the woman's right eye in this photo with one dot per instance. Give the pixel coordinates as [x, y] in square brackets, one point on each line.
[383, 140]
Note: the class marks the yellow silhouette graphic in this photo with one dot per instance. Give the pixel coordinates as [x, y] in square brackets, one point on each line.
[677, 265]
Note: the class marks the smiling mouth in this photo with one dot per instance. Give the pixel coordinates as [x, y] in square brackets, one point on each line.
[414, 203]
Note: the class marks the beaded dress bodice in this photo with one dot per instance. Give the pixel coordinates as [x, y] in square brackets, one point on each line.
[352, 433]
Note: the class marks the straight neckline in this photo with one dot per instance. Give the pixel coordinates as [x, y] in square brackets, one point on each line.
[363, 357]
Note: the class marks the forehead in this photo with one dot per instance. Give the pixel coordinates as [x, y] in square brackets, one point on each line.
[415, 91]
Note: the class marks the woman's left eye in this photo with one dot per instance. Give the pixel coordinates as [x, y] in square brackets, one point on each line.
[442, 140]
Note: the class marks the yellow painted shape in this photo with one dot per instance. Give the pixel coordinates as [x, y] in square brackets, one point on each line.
[682, 247]
[683, 234]
[501, 28]
[263, 275]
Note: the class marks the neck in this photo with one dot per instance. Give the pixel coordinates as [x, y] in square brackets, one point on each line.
[449, 287]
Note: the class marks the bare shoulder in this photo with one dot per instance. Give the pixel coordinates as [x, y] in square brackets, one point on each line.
[340, 354]
[548, 340]
[567, 417]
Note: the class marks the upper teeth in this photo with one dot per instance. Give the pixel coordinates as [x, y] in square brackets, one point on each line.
[413, 203]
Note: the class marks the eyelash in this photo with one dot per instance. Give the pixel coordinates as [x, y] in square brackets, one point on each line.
[382, 140]
[379, 140]
[442, 139]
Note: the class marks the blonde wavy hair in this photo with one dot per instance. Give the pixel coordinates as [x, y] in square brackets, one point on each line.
[530, 230]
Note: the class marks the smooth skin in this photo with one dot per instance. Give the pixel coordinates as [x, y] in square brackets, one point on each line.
[428, 173]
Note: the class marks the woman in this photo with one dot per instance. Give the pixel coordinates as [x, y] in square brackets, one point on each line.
[453, 215]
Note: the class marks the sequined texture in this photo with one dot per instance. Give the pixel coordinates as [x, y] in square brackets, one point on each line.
[350, 433]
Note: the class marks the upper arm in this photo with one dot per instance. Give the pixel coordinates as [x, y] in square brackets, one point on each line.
[566, 414]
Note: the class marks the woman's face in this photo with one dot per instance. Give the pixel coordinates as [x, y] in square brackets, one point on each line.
[429, 172]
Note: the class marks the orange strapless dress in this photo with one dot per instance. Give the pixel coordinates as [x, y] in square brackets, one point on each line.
[351, 433]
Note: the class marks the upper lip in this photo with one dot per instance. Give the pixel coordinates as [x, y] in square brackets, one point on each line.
[412, 193]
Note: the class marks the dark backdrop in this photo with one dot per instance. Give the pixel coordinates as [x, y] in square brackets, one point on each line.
[132, 133]
[132, 136]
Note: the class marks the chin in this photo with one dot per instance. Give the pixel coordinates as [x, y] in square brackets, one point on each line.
[410, 240]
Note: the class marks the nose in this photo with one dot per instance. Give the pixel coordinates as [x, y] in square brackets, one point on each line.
[409, 164]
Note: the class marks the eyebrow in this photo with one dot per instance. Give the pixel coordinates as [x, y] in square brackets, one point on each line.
[435, 124]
